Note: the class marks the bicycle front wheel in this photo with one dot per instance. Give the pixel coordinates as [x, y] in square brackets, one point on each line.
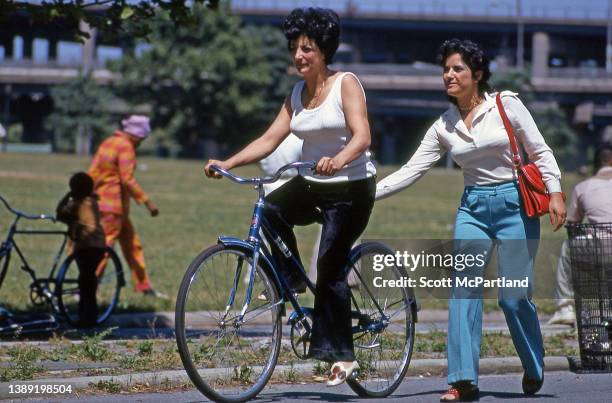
[383, 325]
[110, 281]
[228, 358]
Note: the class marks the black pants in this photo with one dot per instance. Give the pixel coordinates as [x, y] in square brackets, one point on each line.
[344, 210]
[88, 259]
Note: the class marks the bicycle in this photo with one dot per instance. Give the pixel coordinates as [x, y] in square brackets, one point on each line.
[60, 288]
[220, 325]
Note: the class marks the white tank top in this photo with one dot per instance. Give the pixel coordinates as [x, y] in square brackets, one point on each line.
[325, 134]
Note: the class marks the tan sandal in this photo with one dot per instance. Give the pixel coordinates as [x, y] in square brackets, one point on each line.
[339, 373]
[460, 394]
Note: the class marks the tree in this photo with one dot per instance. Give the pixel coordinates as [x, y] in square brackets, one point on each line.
[207, 85]
[108, 16]
[551, 120]
[79, 116]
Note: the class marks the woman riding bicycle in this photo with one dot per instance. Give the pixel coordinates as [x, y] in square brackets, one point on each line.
[328, 111]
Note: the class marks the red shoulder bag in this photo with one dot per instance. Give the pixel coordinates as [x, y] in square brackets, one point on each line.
[531, 186]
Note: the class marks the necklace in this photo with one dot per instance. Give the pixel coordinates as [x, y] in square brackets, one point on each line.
[474, 102]
[315, 98]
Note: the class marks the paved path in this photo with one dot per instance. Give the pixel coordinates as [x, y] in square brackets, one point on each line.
[559, 387]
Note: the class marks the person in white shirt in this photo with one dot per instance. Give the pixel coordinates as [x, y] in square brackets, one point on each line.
[290, 150]
[591, 199]
[327, 110]
[473, 132]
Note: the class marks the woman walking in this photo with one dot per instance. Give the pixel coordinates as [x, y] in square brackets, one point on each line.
[490, 208]
[327, 110]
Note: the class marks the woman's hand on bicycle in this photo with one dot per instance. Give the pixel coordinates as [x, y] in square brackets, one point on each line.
[328, 166]
[221, 164]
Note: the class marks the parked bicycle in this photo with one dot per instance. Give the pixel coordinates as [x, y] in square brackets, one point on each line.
[61, 288]
[232, 297]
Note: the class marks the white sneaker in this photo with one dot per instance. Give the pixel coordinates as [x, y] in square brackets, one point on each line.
[565, 315]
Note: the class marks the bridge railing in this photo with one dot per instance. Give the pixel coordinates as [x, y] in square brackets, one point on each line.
[540, 9]
[414, 69]
[579, 72]
[29, 63]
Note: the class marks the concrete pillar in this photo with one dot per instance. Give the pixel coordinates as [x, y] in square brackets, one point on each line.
[18, 47]
[88, 57]
[539, 56]
[609, 39]
[609, 43]
[520, 36]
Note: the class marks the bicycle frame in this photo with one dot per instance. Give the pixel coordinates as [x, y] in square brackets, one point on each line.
[255, 243]
[10, 243]
[259, 250]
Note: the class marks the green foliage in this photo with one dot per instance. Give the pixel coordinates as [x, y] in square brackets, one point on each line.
[23, 364]
[276, 54]
[108, 386]
[558, 135]
[551, 121]
[112, 17]
[145, 347]
[215, 80]
[243, 374]
[321, 368]
[92, 348]
[518, 81]
[79, 114]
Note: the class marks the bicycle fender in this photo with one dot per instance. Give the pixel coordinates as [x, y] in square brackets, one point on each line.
[267, 265]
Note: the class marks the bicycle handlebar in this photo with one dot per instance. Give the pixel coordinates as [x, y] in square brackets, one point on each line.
[24, 215]
[273, 178]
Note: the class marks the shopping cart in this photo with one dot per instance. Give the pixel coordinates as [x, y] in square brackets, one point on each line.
[591, 260]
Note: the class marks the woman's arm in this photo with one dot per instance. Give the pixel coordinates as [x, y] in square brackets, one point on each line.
[356, 116]
[428, 153]
[260, 147]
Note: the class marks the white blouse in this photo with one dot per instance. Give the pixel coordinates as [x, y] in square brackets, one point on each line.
[325, 134]
[483, 152]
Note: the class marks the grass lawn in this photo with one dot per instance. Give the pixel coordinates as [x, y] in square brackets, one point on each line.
[194, 210]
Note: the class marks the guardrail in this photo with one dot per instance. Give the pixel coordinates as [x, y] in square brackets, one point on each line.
[579, 72]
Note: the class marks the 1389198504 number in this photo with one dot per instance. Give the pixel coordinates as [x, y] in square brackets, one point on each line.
[39, 389]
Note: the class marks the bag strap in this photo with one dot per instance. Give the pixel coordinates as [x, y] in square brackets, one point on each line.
[516, 158]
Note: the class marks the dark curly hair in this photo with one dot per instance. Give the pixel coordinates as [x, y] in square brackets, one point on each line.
[602, 157]
[81, 185]
[473, 55]
[319, 24]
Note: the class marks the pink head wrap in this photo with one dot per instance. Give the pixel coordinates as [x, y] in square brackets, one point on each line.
[137, 125]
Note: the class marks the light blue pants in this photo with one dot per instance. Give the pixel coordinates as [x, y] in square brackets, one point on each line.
[492, 216]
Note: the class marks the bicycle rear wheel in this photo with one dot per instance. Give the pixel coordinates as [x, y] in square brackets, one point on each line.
[227, 360]
[383, 346]
[110, 282]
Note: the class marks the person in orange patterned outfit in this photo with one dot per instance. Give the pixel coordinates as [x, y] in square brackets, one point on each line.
[112, 170]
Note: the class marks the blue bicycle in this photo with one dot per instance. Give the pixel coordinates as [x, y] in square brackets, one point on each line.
[232, 298]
